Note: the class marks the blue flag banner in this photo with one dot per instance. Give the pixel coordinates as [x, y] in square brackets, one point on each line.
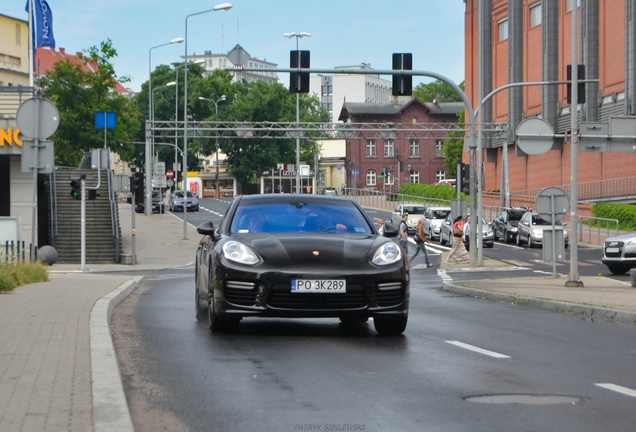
[44, 24]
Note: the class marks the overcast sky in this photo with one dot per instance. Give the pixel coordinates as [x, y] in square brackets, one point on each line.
[343, 32]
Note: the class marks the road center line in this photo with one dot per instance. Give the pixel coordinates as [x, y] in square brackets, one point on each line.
[616, 388]
[477, 350]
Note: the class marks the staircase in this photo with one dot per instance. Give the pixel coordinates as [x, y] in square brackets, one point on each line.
[100, 240]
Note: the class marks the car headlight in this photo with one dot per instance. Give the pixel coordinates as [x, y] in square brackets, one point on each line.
[388, 253]
[537, 232]
[240, 253]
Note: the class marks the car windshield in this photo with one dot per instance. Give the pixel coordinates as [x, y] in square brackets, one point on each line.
[440, 214]
[413, 210]
[306, 216]
[179, 194]
[538, 220]
[515, 215]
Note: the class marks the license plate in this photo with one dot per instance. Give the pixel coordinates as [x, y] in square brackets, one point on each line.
[327, 286]
[612, 250]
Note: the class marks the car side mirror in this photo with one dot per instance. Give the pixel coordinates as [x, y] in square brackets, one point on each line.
[390, 230]
[206, 228]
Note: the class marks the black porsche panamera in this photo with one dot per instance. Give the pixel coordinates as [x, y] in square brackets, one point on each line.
[298, 256]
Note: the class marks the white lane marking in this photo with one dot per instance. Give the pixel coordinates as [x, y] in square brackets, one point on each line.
[616, 388]
[477, 350]
[211, 211]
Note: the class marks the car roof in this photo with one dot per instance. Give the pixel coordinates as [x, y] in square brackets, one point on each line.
[291, 197]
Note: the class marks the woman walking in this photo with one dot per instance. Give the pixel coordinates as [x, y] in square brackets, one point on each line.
[458, 253]
[420, 242]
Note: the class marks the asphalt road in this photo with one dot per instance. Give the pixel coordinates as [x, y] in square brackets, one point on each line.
[463, 364]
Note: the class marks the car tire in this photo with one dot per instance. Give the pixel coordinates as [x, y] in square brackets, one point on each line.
[200, 312]
[518, 240]
[389, 325]
[218, 324]
[530, 243]
[506, 237]
[441, 239]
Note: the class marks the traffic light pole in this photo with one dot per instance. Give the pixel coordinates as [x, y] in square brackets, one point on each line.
[83, 224]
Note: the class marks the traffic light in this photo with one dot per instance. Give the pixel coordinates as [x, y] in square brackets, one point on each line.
[464, 178]
[580, 87]
[299, 81]
[402, 84]
[137, 186]
[383, 173]
[93, 194]
[76, 189]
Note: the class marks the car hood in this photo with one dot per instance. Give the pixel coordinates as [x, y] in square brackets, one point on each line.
[330, 248]
[622, 237]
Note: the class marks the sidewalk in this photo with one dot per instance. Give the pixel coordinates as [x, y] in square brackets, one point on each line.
[58, 368]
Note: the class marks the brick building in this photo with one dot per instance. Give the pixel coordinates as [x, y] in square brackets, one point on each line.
[407, 140]
[529, 41]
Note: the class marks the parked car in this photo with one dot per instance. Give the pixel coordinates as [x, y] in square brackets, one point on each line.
[433, 218]
[300, 256]
[619, 253]
[530, 229]
[446, 182]
[446, 232]
[328, 190]
[177, 200]
[157, 203]
[505, 223]
[415, 212]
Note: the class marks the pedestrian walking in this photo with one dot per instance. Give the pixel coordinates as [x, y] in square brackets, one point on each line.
[458, 253]
[403, 236]
[466, 237]
[420, 242]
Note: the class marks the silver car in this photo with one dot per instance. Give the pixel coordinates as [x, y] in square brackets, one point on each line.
[446, 232]
[530, 229]
[619, 253]
[415, 212]
[433, 218]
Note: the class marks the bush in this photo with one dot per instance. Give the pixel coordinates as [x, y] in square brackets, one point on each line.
[13, 275]
[624, 213]
[442, 192]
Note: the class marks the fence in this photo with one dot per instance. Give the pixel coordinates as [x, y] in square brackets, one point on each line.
[595, 230]
[13, 251]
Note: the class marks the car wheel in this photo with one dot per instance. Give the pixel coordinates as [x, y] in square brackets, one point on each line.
[200, 312]
[617, 270]
[389, 325]
[518, 240]
[441, 239]
[530, 243]
[218, 324]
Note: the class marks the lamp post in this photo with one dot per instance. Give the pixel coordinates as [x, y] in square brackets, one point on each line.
[297, 36]
[216, 120]
[155, 90]
[219, 7]
[149, 147]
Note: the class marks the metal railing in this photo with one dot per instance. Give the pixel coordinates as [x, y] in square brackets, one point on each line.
[10, 99]
[13, 251]
[595, 230]
[593, 191]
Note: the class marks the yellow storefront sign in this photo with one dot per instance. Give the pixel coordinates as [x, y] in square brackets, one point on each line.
[9, 136]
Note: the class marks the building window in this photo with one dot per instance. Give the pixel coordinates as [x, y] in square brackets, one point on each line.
[388, 180]
[503, 30]
[371, 148]
[414, 148]
[414, 176]
[440, 151]
[389, 148]
[371, 178]
[535, 15]
[568, 4]
[440, 175]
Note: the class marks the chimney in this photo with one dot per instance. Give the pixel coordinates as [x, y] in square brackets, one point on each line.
[63, 51]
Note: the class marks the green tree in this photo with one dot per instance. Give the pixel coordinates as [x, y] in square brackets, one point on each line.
[437, 90]
[79, 92]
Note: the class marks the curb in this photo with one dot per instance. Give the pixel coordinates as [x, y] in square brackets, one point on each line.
[606, 314]
[110, 408]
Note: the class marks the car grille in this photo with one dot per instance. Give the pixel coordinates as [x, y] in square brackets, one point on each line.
[389, 294]
[614, 244]
[241, 293]
[281, 297]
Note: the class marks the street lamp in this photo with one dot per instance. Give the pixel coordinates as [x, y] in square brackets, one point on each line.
[149, 149]
[216, 120]
[219, 7]
[297, 36]
[155, 90]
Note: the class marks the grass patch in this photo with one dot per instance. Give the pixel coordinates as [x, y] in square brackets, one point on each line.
[12, 275]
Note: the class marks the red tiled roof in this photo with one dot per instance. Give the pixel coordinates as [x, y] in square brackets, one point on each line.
[46, 58]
